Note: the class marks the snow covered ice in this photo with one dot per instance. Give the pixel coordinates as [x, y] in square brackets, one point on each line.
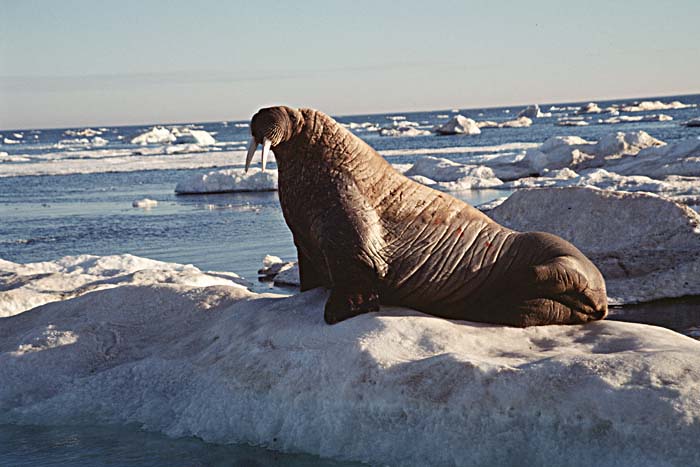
[646, 246]
[446, 175]
[395, 387]
[229, 180]
[459, 125]
[25, 286]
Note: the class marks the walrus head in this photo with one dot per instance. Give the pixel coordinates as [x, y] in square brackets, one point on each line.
[270, 127]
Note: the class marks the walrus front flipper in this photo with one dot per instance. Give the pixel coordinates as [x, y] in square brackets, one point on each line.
[309, 277]
[345, 303]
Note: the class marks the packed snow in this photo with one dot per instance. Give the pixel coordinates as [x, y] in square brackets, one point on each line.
[25, 286]
[395, 387]
[228, 180]
[459, 125]
[646, 246]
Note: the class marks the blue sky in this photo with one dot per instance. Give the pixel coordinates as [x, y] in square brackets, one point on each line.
[72, 63]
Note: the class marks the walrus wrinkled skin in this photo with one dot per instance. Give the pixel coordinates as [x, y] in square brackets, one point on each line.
[372, 235]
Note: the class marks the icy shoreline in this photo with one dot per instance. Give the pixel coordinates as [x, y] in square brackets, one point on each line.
[395, 387]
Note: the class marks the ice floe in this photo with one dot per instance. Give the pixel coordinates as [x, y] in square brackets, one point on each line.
[572, 122]
[682, 189]
[86, 132]
[459, 125]
[558, 152]
[679, 158]
[395, 387]
[25, 286]
[533, 111]
[364, 126]
[402, 127]
[185, 149]
[447, 175]
[590, 108]
[156, 135]
[645, 106]
[694, 122]
[636, 118]
[228, 180]
[572, 151]
[281, 272]
[190, 136]
[520, 122]
[10, 141]
[144, 203]
[646, 246]
[5, 157]
[162, 135]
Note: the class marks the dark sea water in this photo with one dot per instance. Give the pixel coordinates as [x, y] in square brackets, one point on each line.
[45, 217]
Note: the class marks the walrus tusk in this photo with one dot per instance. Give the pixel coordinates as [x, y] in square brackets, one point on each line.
[265, 152]
[251, 152]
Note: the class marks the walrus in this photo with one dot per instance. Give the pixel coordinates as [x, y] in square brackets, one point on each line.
[373, 236]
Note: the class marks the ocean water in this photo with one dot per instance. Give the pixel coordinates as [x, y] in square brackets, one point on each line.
[65, 194]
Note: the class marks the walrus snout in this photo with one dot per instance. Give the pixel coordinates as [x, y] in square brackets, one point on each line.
[270, 127]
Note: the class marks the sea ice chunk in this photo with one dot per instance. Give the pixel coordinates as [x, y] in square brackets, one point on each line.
[395, 387]
[459, 125]
[646, 246]
[229, 180]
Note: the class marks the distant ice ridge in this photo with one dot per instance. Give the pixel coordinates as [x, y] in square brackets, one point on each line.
[645, 106]
[25, 286]
[395, 387]
[229, 180]
[120, 160]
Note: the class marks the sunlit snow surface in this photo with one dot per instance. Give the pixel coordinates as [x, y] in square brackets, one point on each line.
[395, 387]
[183, 350]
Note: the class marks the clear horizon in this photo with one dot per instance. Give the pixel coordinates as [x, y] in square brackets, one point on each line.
[69, 64]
